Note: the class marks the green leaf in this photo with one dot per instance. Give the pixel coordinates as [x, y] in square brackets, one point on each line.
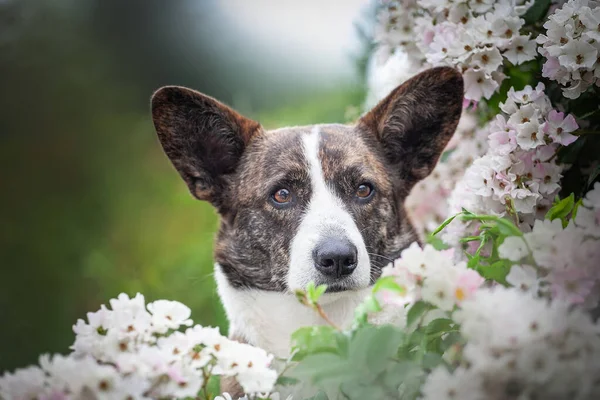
[286, 381]
[431, 360]
[319, 292]
[507, 228]
[368, 306]
[416, 311]
[319, 396]
[537, 11]
[451, 339]
[325, 368]
[389, 283]
[444, 224]
[439, 325]
[561, 209]
[437, 243]
[313, 340]
[374, 346]
[497, 271]
[575, 208]
[473, 262]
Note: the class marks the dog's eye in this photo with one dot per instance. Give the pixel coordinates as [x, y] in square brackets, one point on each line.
[282, 196]
[365, 191]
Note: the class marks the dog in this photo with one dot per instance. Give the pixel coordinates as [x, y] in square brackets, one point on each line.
[320, 203]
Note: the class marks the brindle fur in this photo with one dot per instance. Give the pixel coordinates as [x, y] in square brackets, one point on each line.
[235, 164]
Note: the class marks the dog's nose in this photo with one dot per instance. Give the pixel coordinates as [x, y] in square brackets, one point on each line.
[335, 257]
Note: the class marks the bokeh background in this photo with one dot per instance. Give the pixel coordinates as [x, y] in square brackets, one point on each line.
[90, 206]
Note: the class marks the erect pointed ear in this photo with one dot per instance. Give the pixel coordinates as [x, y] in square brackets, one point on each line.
[203, 138]
[416, 120]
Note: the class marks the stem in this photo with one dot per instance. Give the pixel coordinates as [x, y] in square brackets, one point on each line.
[206, 377]
[585, 132]
[321, 312]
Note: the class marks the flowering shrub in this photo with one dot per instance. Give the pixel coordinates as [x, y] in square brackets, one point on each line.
[502, 300]
[137, 351]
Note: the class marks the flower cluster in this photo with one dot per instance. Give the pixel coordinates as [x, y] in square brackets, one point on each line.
[560, 263]
[571, 46]
[549, 351]
[518, 174]
[473, 36]
[136, 351]
[432, 276]
[427, 204]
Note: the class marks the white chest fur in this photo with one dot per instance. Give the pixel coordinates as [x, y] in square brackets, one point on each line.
[268, 319]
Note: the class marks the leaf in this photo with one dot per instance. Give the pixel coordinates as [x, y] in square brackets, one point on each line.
[575, 208]
[314, 340]
[319, 396]
[368, 306]
[439, 325]
[437, 243]
[380, 344]
[497, 271]
[389, 283]
[561, 209]
[507, 228]
[451, 339]
[416, 311]
[325, 368]
[593, 176]
[319, 292]
[431, 360]
[537, 11]
[473, 262]
[286, 381]
[444, 224]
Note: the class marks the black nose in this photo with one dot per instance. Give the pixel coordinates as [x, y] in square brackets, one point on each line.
[335, 257]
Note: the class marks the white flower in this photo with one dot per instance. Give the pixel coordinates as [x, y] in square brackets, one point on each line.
[523, 277]
[489, 60]
[461, 384]
[578, 54]
[513, 248]
[168, 314]
[478, 84]
[592, 198]
[570, 46]
[520, 49]
[24, 383]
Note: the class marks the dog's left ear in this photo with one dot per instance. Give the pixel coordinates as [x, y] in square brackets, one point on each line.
[203, 138]
[415, 122]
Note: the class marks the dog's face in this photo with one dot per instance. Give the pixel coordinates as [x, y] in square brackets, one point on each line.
[320, 203]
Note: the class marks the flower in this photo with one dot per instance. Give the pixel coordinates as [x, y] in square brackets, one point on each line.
[168, 314]
[523, 277]
[570, 46]
[474, 37]
[513, 248]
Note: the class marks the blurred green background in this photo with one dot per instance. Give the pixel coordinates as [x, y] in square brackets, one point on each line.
[90, 206]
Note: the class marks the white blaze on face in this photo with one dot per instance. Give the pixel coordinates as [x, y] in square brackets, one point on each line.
[326, 216]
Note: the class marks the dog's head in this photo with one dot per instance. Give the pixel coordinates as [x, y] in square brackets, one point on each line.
[319, 203]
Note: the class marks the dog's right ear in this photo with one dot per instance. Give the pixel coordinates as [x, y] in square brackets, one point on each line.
[203, 138]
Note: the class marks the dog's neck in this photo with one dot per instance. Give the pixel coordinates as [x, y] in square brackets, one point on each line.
[267, 319]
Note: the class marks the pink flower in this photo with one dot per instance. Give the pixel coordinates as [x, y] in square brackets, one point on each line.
[572, 285]
[503, 142]
[558, 127]
[551, 68]
[467, 283]
[388, 297]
